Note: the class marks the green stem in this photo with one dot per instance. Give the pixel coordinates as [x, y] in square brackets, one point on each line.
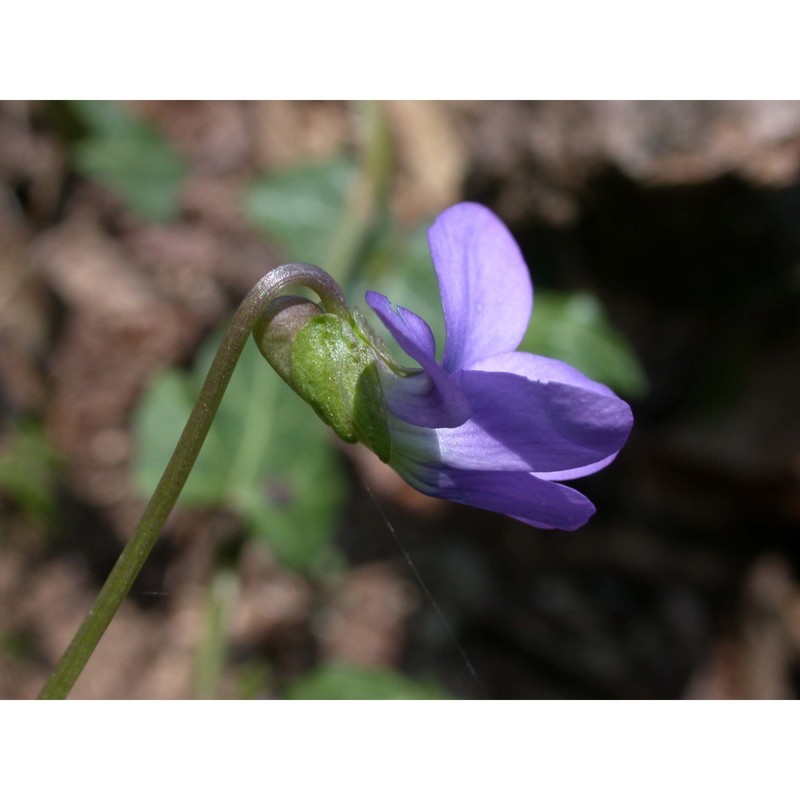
[212, 652]
[369, 196]
[134, 555]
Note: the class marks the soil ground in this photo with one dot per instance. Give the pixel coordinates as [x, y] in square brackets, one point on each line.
[684, 218]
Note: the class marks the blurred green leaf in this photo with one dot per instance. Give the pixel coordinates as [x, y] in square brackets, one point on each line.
[253, 679]
[131, 158]
[339, 681]
[303, 208]
[212, 653]
[306, 210]
[574, 328]
[103, 117]
[28, 465]
[267, 456]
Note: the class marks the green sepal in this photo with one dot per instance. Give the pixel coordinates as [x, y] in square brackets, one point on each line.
[335, 370]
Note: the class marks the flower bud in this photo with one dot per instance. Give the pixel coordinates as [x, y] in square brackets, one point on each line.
[278, 326]
[329, 361]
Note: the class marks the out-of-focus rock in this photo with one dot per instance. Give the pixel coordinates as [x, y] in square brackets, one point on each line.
[539, 156]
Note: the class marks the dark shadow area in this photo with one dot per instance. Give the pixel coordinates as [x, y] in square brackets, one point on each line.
[704, 281]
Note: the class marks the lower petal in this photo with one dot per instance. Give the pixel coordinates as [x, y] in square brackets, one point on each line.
[580, 472]
[525, 497]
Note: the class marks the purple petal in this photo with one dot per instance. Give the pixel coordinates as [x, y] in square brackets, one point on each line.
[542, 369]
[432, 398]
[412, 333]
[486, 289]
[545, 370]
[525, 497]
[424, 402]
[519, 424]
[580, 472]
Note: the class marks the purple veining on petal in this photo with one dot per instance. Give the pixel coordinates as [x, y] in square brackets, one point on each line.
[486, 290]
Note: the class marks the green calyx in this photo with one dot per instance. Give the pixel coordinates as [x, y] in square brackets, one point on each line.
[333, 366]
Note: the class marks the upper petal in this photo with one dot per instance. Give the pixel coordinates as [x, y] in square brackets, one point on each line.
[485, 285]
[432, 398]
[525, 497]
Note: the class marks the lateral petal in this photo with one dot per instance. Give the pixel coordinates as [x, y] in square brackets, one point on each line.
[430, 398]
[519, 424]
[410, 331]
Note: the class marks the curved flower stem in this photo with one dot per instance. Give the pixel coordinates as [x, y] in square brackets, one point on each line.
[134, 555]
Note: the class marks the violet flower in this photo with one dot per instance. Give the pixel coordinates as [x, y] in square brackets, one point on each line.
[489, 426]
